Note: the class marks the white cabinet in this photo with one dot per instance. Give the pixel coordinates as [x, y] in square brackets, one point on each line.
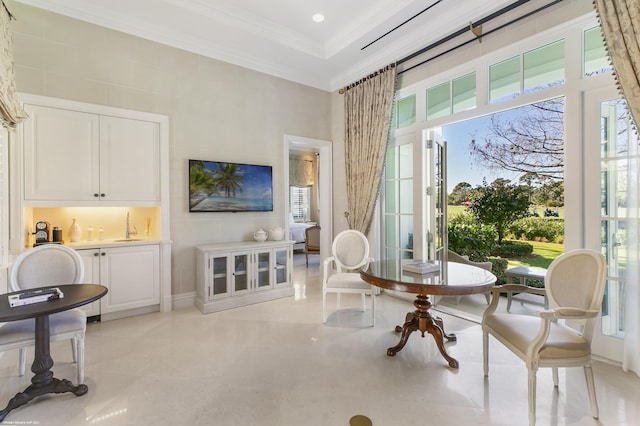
[75, 156]
[132, 275]
[237, 274]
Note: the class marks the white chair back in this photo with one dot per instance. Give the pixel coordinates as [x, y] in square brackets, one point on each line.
[350, 250]
[577, 279]
[46, 265]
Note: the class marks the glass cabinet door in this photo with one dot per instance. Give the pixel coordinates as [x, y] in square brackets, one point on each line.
[263, 270]
[219, 275]
[241, 276]
[281, 268]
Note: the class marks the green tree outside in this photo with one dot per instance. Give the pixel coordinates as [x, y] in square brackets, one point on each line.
[499, 204]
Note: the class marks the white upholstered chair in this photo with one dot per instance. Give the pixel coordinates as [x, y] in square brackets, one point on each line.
[47, 265]
[350, 253]
[575, 284]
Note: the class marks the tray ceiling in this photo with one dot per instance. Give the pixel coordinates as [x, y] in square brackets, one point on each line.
[278, 37]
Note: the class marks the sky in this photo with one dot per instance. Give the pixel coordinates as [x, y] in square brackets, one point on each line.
[460, 165]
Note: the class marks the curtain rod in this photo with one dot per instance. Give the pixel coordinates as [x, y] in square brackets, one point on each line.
[363, 79]
[405, 22]
[472, 26]
[526, 15]
[463, 30]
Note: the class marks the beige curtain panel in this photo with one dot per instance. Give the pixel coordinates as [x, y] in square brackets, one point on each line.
[620, 21]
[11, 112]
[367, 110]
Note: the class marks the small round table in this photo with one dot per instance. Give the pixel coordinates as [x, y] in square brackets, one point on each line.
[43, 381]
[456, 280]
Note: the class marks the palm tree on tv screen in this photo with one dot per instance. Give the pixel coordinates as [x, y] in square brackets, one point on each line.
[200, 180]
[228, 179]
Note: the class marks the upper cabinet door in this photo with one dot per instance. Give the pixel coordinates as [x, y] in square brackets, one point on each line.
[129, 159]
[61, 150]
[73, 156]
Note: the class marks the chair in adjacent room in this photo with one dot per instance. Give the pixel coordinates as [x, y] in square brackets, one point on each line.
[47, 265]
[575, 283]
[311, 241]
[350, 253]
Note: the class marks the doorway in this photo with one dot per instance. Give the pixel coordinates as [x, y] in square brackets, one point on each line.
[323, 149]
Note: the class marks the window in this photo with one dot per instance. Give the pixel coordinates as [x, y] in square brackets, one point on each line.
[595, 58]
[439, 101]
[544, 66]
[300, 196]
[406, 111]
[398, 196]
[504, 79]
[454, 96]
[464, 92]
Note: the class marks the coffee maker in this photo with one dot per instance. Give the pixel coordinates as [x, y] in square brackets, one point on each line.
[42, 233]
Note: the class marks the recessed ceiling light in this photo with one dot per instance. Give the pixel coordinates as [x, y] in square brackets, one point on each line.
[318, 17]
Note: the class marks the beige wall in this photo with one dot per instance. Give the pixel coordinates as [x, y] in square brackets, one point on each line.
[217, 111]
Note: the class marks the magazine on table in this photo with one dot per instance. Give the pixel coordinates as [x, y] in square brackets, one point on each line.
[35, 296]
[422, 267]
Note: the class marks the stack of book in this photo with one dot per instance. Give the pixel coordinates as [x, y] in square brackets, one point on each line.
[425, 267]
[35, 296]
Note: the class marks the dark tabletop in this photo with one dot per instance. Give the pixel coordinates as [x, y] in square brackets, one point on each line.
[74, 295]
[460, 279]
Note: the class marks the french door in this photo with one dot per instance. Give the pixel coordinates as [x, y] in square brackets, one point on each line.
[610, 147]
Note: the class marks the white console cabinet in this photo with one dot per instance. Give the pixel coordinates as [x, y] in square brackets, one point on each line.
[230, 275]
[132, 275]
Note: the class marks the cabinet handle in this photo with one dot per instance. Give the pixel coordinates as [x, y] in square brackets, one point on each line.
[95, 254]
[103, 254]
[96, 195]
[102, 195]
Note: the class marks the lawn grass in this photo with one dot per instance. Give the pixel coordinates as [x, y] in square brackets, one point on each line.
[543, 255]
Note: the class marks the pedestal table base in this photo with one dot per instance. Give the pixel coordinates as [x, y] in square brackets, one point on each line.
[423, 321]
[43, 381]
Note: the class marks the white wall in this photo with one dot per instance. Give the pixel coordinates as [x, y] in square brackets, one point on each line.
[217, 111]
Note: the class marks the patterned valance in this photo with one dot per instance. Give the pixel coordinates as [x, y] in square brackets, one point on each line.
[301, 172]
[11, 112]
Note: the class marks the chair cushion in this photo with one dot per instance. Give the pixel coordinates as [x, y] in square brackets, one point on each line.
[62, 322]
[347, 280]
[520, 330]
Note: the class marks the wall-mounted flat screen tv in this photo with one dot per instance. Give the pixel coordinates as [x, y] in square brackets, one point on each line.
[216, 186]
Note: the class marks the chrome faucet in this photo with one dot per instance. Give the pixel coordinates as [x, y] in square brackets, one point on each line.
[128, 232]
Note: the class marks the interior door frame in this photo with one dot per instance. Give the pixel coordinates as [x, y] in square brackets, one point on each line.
[324, 148]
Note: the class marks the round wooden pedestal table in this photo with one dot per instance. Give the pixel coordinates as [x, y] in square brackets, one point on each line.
[453, 279]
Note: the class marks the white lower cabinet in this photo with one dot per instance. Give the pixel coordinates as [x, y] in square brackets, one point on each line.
[132, 275]
[237, 274]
